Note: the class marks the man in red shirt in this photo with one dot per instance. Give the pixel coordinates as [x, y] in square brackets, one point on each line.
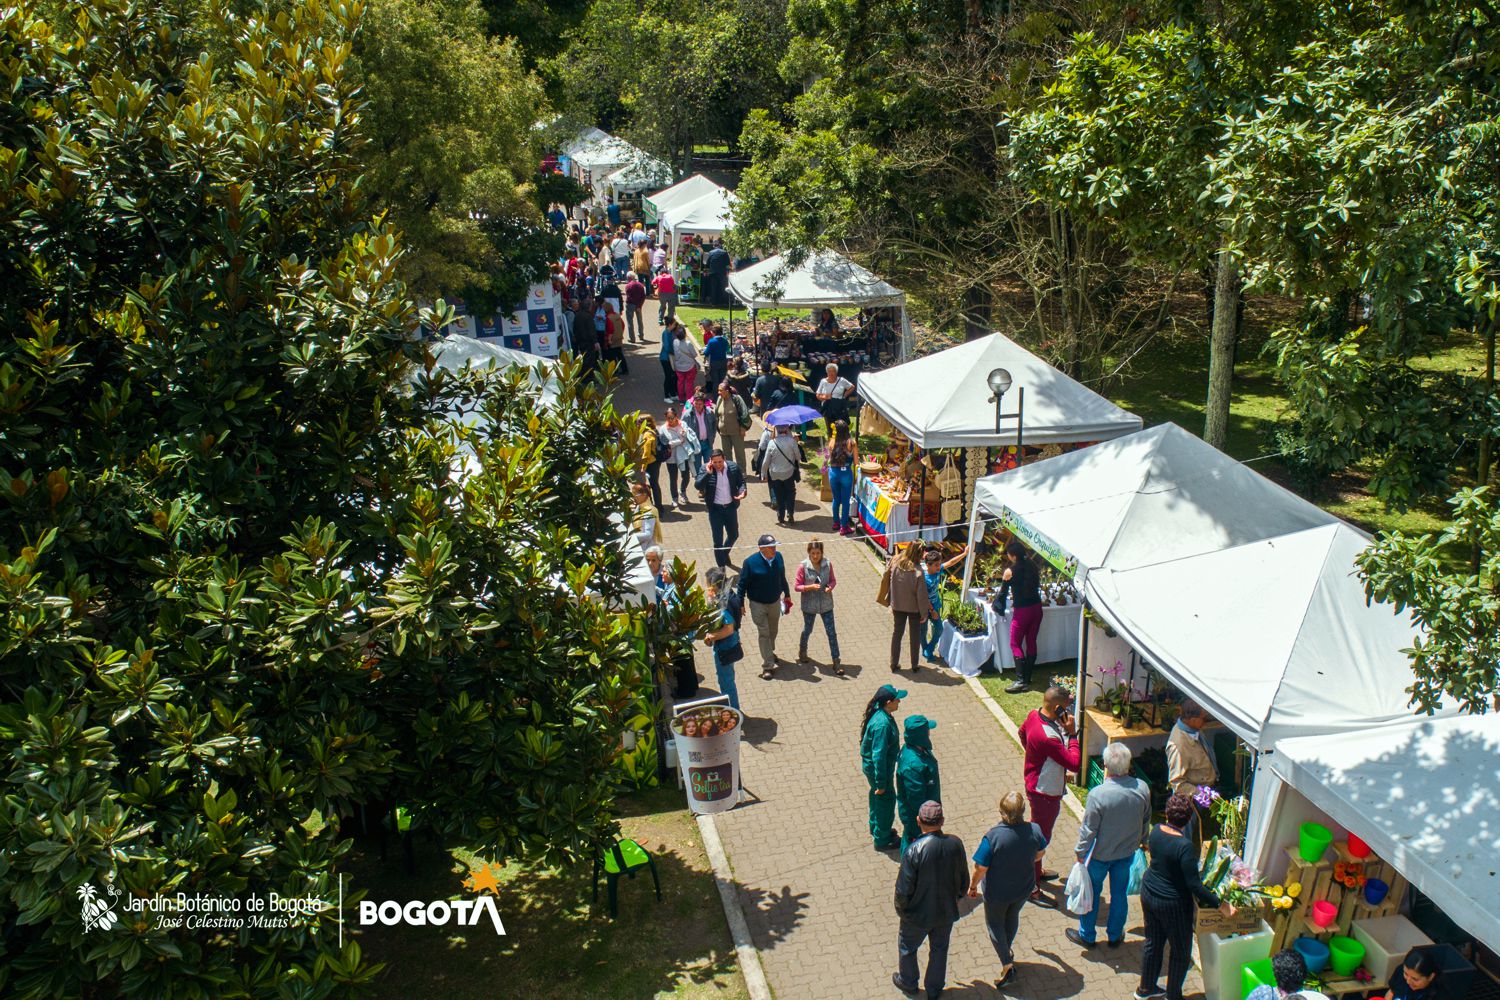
[635, 297]
[1047, 736]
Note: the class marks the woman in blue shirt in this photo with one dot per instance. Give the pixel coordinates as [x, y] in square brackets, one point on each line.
[725, 639]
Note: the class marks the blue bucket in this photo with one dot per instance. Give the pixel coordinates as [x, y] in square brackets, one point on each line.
[1314, 952]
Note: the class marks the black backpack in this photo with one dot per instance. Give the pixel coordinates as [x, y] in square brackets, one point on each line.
[736, 605]
[663, 452]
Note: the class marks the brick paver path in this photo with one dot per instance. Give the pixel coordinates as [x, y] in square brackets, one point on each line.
[816, 894]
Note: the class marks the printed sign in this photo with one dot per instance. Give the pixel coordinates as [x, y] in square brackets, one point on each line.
[489, 327]
[708, 752]
[1040, 543]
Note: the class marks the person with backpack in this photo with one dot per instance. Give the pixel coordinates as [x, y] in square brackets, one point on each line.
[653, 454]
[668, 373]
[716, 354]
[734, 420]
[879, 746]
[781, 465]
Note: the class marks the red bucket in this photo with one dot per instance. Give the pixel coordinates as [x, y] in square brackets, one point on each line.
[1358, 848]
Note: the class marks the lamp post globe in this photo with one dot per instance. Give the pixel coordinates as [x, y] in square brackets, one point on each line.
[999, 382]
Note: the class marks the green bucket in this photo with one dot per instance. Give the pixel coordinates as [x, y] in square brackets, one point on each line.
[1312, 840]
[1345, 954]
[1256, 973]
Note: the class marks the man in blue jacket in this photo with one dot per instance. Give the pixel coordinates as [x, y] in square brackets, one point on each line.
[762, 581]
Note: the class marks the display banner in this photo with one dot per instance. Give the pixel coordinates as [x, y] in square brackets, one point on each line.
[534, 325]
[1040, 543]
[708, 754]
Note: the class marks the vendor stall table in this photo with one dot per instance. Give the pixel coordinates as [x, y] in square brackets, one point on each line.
[1057, 639]
[965, 654]
[887, 520]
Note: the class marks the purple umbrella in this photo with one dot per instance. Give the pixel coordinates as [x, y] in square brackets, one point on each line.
[788, 415]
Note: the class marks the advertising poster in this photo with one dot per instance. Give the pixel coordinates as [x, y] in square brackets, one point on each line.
[708, 752]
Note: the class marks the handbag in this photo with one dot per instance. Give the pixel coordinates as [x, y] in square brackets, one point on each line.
[734, 655]
[1137, 872]
[1080, 889]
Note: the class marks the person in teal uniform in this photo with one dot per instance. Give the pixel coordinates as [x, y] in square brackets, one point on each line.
[879, 746]
[916, 776]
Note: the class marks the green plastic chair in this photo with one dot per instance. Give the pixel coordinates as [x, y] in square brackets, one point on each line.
[623, 857]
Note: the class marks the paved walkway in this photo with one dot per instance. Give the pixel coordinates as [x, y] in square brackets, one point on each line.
[816, 895]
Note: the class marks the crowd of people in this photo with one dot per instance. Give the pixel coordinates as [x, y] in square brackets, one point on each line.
[704, 439]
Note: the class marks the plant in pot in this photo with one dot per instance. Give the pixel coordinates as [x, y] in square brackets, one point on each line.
[967, 619]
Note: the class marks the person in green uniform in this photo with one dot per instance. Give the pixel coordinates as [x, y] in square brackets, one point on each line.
[879, 746]
[916, 776]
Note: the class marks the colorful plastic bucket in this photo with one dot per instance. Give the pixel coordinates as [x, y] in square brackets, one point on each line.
[1323, 913]
[1358, 848]
[1375, 890]
[1345, 953]
[1313, 952]
[1312, 840]
[1256, 973]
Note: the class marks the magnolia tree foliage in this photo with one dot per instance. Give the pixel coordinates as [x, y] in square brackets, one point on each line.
[252, 575]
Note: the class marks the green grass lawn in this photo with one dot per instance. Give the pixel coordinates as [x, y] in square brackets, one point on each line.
[1169, 381]
[559, 946]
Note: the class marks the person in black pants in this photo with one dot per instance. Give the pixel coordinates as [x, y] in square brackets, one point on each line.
[1170, 892]
[934, 876]
[722, 487]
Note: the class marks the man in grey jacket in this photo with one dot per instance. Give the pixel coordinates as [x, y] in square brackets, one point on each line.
[1115, 823]
[934, 876]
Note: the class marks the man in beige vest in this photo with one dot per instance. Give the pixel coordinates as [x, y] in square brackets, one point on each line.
[1190, 758]
[732, 415]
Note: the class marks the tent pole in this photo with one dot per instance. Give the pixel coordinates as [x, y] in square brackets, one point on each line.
[1083, 660]
[969, 557]
[921, 503]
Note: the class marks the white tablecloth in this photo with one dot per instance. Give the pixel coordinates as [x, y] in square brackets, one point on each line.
[1057, 639]
[963, 653]
[896, 528]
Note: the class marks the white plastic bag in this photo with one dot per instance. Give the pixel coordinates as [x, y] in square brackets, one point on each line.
[1080, 890]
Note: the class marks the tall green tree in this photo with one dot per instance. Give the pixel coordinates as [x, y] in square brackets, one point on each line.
[253, 575]
[1366, 181]
[672, 75]
[449, 114]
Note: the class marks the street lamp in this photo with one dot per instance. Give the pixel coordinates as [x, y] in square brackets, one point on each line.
[999, 381]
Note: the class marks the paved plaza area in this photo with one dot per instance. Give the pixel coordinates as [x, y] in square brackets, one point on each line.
[817, 896]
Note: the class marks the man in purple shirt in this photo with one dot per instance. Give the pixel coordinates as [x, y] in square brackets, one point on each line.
[635, 297]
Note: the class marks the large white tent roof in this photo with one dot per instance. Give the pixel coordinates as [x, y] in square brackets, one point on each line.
[709, 215]
[1155, 495]
[586, 137]
[454, 353]
[942, 400]
[681, 193]
[1274, 637]
[1425, 795]
[824, 279]
[606, 154]
[647, 171]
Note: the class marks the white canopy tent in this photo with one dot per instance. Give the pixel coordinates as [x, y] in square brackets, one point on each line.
[942, 400]
[1425, 795]
[586, 137]
[597, 159]
[824, 280]
[1243, 594]
[639, 175]
[708, 215]
[1273, 637]
[679, 194]
[1155, 495]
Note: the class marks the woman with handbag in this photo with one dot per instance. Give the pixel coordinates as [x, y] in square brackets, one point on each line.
[725, 639]
[682, 448]
[904, 591]
[781, 465]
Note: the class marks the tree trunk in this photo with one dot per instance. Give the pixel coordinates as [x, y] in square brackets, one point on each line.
[1482, 475]
[978, 302]
[1222, 338]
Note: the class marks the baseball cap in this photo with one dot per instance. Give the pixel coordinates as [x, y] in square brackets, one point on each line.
[915, 722]
[886, 692]
[931, 813]
[765, 540]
